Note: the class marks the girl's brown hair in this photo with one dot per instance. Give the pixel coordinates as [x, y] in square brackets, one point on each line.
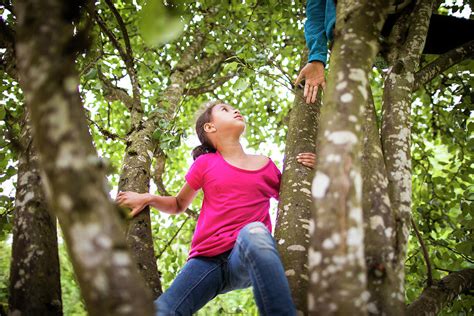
[205, 117]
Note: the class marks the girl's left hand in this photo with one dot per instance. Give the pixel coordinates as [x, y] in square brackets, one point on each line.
[306, 159]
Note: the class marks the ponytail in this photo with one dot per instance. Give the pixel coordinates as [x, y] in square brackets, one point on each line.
[202, 150]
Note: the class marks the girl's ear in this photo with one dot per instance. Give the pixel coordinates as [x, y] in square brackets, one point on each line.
[209, 127]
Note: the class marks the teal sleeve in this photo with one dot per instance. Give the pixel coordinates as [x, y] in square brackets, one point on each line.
[314, 30]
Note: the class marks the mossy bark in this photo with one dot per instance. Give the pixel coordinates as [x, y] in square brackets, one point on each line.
[294, 210]
[379, 222]
[404, 60]
[338, 280]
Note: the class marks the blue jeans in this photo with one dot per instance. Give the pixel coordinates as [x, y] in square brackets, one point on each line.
[254, 261]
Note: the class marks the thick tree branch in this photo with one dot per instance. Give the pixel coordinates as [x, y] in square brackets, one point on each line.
[445, 61]
[435, 297]
[379, 221]
[337, 186]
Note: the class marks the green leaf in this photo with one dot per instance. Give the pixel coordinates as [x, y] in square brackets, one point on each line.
[159, 25]
[163, 124]
[156, 134]
[241, 84]
[92, 73]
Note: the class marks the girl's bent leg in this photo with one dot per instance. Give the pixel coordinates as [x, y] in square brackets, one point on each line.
[256, 251]
[198, 282]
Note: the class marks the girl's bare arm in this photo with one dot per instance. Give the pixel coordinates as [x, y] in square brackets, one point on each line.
[169, 204]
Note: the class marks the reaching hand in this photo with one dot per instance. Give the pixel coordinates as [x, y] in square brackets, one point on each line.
[307, 159]
[313, 73]
[133, 200]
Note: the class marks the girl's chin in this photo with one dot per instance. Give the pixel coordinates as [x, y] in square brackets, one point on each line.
[241, 128]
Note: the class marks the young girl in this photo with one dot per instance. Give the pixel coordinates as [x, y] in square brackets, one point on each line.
[232, 246]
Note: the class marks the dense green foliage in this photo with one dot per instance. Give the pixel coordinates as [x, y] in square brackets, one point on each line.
[266, 41]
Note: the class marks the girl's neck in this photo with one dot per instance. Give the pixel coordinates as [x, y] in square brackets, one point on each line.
[231, 149]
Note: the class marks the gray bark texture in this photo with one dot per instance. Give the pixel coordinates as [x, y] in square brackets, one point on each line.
[294, 209]
[75, 179]
[379, 222]
[338, 280]
[442, 63]
[35, 287]
[396, 129]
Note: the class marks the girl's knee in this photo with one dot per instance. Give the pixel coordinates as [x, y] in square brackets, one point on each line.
[256, 237]
[254, 228]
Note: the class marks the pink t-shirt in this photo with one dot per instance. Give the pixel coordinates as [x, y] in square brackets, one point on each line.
[233, 197]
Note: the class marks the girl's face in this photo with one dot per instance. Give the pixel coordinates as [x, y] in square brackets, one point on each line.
[225, 117]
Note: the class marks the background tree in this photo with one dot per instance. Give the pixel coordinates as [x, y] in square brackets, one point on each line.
[34, 247]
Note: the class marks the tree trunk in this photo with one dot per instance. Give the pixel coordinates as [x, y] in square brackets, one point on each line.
[379, 222]
[35, 287]
[294, 210]
[336, 256]
[135, 176]
[75, 179]
[396, 132]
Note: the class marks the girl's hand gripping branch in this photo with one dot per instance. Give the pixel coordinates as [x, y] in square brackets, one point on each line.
[136, 201]
[307, 159]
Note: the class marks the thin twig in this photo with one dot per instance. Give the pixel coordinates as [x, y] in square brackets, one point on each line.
[210, 87]
[172, 238]
[425, 253]
[456, 252]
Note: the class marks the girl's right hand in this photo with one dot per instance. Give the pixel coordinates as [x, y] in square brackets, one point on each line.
[136, 201]
[307, 159]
